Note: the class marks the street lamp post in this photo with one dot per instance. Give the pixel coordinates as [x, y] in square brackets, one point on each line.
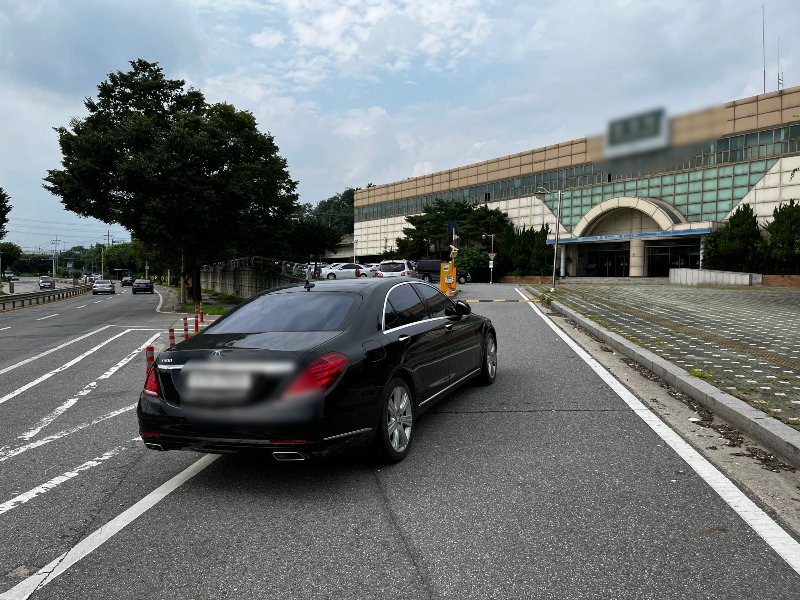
[491, 260]
[558, 228]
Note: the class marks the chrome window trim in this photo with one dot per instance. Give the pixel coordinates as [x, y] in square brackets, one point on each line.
[386, 299]
[470, 374]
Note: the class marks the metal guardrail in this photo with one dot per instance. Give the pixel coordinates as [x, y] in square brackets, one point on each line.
[13, 301]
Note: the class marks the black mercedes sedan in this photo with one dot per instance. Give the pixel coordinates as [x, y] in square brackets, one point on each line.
[308, 370]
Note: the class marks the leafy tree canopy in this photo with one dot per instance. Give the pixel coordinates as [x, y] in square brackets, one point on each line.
[185, 177]
[10, 255]
[5, 208]
[783, 246]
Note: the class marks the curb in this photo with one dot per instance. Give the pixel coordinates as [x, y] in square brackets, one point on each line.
[778, 437]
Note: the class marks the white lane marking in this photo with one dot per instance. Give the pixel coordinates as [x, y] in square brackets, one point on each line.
[97, 301]
[46, 352]
[6, 452]
[88, 388]
[56, 481]
[160, 302]
[757, 519]
[4, 328]
[47, 317]
[63, 367]
[81, 306]
[49, 572]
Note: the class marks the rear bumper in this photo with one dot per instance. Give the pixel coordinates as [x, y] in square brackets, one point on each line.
[164, 425]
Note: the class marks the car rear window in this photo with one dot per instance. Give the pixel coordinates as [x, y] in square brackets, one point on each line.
[392, 267]
[142, 281]
[102, 281]
[299, 311]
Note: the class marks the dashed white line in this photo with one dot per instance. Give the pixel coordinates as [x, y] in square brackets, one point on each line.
[49, 572]
[772, 533]
[4, 328]
[47, 317]
[56, 481]
[63, 367]
[46, 352]
[81, 306]
[97, 301]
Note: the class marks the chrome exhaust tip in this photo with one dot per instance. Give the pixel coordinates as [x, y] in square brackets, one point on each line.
[153, 446]
[288, 456]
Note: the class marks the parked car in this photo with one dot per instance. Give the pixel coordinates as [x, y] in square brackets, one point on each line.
[126, 281]
[46, 283]
[345, 271]
[302, 372]
[103, 286]
[12, 277]
[395, 268]
[141, 286]
[429, 270]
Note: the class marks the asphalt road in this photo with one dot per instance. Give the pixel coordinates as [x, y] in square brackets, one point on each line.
[545, 485]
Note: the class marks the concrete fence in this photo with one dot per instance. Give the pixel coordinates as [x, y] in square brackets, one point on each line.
[707, 277]
[246, 277]
[12, 301]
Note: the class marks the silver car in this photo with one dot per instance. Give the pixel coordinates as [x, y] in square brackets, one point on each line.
[46, 283]
[103, 286]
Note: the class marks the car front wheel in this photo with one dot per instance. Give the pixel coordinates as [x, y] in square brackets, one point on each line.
[426, 278]
[462, 280]
[393, 438]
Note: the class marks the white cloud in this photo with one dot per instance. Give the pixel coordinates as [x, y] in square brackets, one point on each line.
[267, 38]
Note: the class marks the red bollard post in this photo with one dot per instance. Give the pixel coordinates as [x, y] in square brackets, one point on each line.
[196, 324]
[149, 357]
[202, 316]
[185, 328]
[171, 337]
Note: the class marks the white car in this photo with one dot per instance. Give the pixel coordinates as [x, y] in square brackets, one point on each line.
[395, 268]
[46, 282]
[345, 271]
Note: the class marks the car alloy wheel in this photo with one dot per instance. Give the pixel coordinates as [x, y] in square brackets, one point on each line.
[397, 419]
[462, 280]
[489, 367]
[426, 278]
[331, 276]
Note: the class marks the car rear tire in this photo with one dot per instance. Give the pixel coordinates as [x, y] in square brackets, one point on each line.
[462, 280]
[426, 278]
[363, 275]
[331, 276]
[394, 439]
[489, 365]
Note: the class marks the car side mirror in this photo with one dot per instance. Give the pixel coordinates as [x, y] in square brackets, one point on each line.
[461, 309]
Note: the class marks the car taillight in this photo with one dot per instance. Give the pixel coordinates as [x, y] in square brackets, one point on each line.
[378, 274]
[151, 384]
[404, 273]
[319, 375]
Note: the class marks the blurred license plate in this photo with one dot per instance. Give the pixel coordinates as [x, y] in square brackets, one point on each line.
[207, 380]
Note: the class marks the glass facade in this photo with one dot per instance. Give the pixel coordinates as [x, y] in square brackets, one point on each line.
[704, 188]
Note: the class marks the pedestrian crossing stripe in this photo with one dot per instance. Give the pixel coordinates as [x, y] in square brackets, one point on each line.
[504, 300]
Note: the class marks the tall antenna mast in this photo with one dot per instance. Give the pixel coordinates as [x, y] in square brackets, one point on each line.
[763, 45]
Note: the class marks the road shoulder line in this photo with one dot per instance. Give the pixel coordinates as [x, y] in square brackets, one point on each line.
[772, 533]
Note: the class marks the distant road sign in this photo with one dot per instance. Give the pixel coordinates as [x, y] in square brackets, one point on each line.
[69, 264]
[492, 255]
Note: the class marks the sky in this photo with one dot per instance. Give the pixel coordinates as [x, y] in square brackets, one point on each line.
[373, 91]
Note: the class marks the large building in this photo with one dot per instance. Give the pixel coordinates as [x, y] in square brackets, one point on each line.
[634, 201]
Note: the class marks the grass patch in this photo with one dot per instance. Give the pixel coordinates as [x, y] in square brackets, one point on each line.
[700, 373]
[207, 309]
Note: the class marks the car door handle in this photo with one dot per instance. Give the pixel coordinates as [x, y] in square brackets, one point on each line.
[403, 338]
[448, 326]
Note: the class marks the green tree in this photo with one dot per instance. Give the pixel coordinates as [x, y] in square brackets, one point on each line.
[783, 244]
[188, 179]
[10, 253]
[5, 208]
[736, 246]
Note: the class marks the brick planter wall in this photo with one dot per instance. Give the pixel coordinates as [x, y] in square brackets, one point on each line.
[781, 280]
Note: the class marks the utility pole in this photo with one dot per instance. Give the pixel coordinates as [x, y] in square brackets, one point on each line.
[55, 250]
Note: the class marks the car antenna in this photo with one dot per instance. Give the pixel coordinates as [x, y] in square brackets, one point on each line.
[308, 285]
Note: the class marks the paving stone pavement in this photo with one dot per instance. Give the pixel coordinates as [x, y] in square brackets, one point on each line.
[745, 341]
